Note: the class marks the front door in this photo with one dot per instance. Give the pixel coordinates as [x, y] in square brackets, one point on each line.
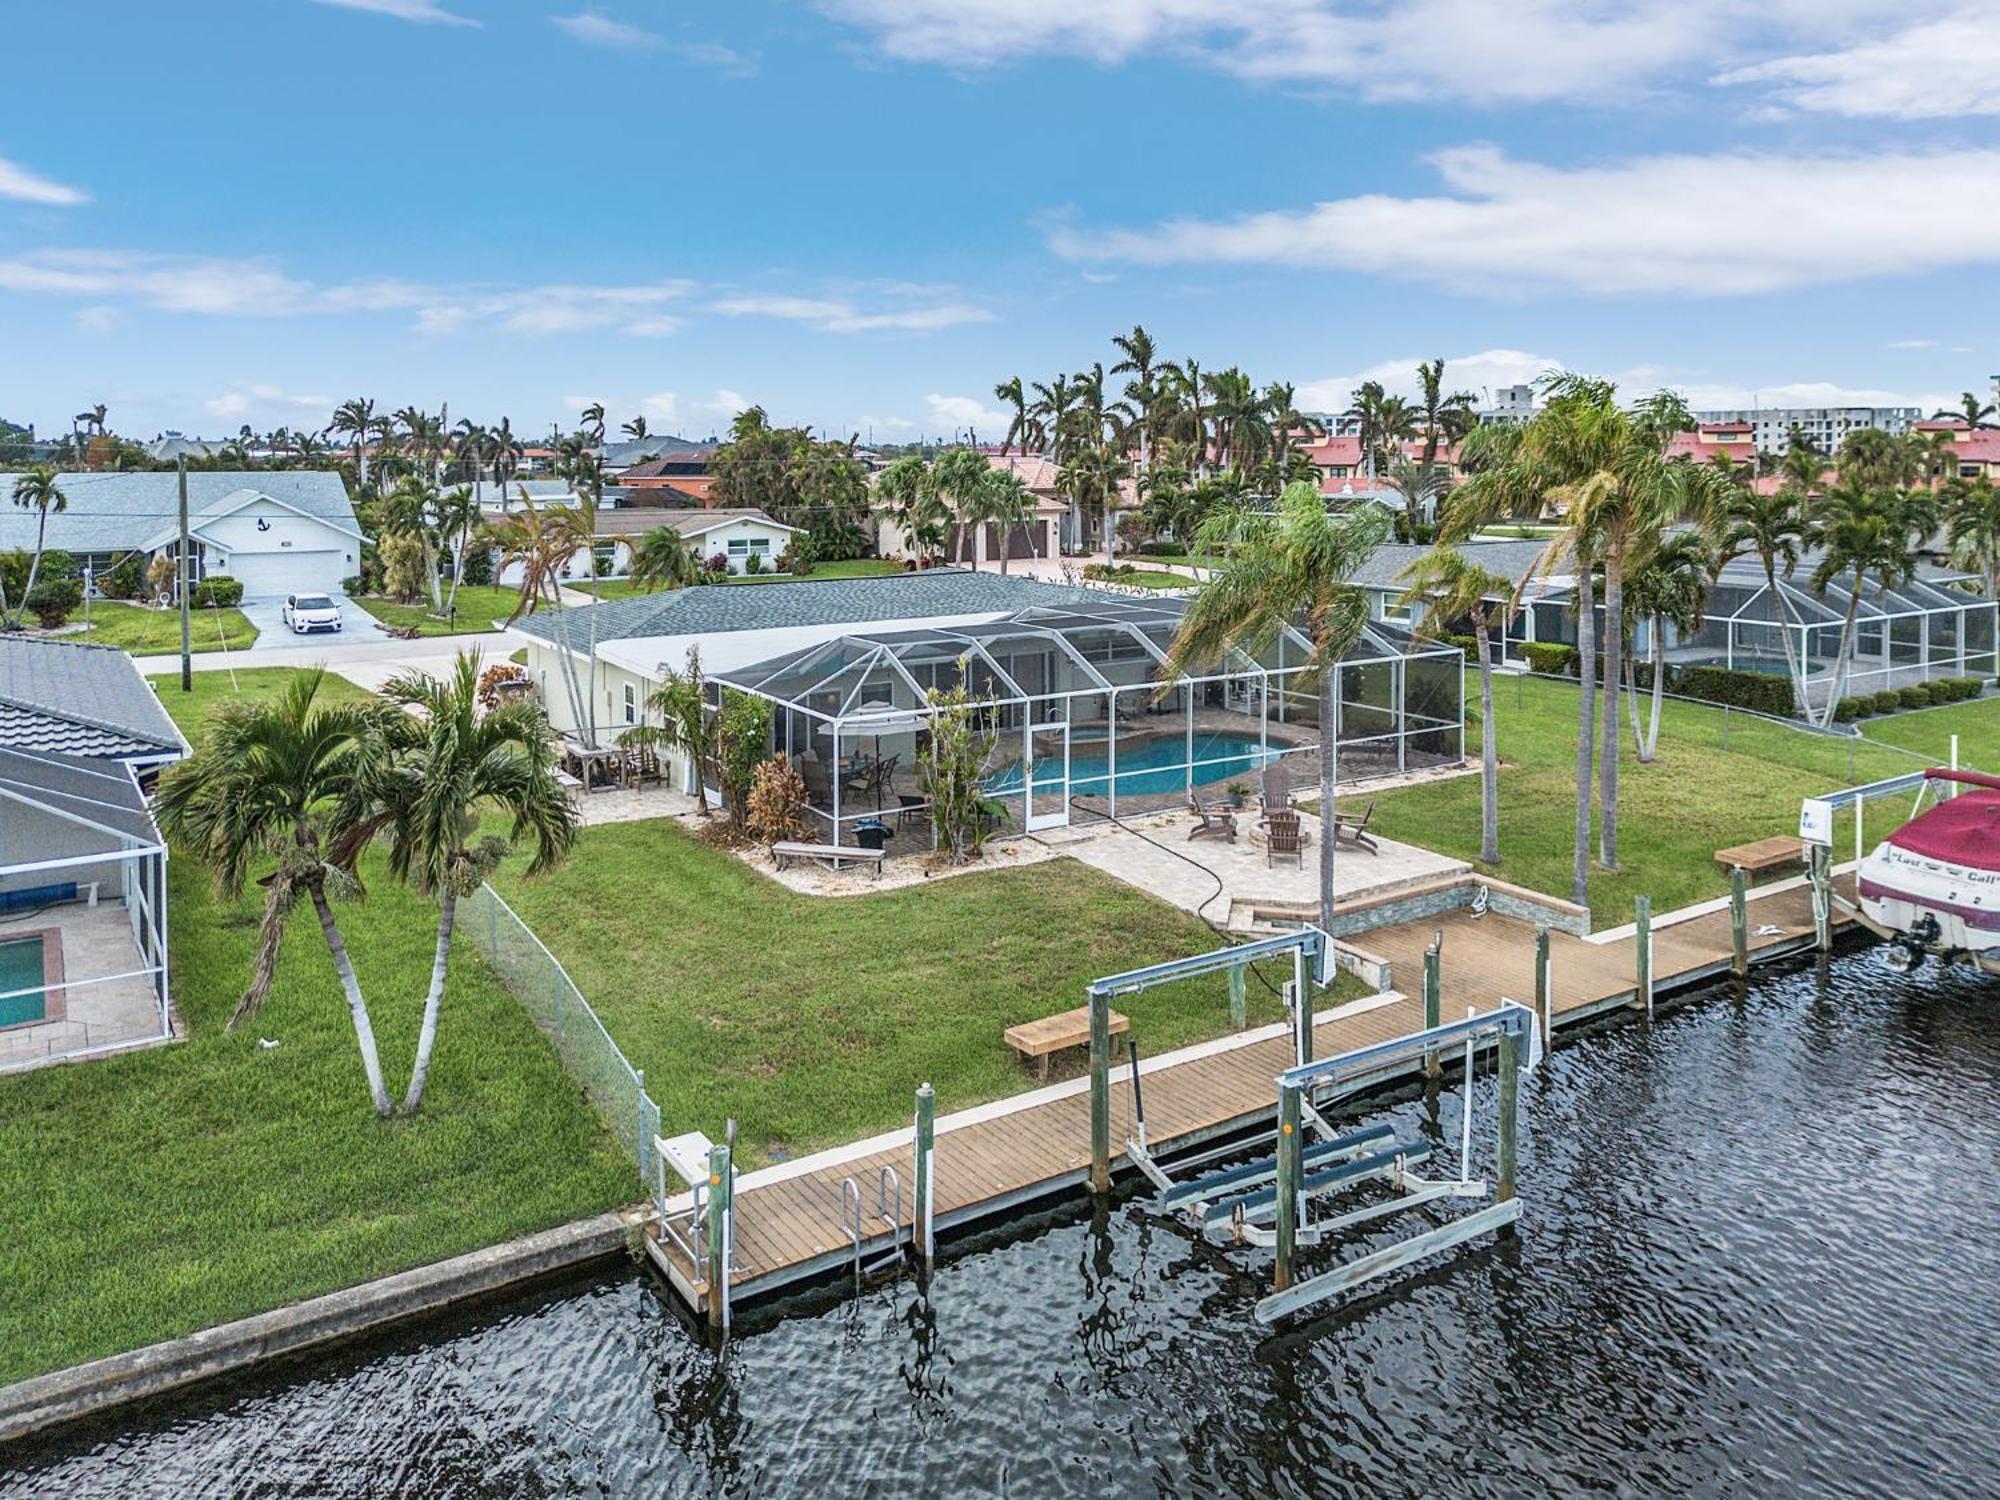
[1048, 776]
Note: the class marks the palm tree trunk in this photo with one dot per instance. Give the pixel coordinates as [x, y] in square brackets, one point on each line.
[1329, 752]
[35, 563]
[1794, 668]
[1586, 731]
[1489, 752]
[1659, 693]
[364, 1029]
[1837, 687]
[427, 1037]
[1608, 753]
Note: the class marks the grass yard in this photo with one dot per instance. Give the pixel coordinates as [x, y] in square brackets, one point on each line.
[811, 1019]
[1697, 797]
[161, 1192]
[1149, 578]
[478, 607]
[249, 684]
[157, 632]
[1928, 731]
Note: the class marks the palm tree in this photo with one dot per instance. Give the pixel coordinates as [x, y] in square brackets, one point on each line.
[907, 494]
[1089, 480]
[1442, 418]
[38, 490]
[591, 420]
[1004, 503]
[458, 516]
[1187, 417]
[540, 544]
[1019, 426]
[636, 429]
[451, 767]
[285, 779]
[1670, 589]
[1285, 567]
[470, 448]
[506, 452]
[1140, 361]
[1451, 587]
[1974, 410]
[1054, 413]
[681, 701]
[663, 560]
[1772, 528]
[1864, 529]
[1972, 519]
[958, 479]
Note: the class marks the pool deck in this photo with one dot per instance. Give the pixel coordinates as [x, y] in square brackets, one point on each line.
[996, 1157]
[93, 941]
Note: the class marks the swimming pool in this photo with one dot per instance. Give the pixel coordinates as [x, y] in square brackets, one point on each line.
[21, 969]
[1149, 767]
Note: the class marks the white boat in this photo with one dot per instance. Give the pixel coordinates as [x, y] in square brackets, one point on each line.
[1933, 886]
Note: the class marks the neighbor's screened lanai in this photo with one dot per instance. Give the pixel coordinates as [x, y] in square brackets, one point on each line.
[1083, 725]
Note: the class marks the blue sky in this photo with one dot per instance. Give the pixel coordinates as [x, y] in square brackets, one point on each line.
[862, 213]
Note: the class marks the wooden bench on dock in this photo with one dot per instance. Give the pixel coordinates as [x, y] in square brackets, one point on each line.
[833, 856]
[1052, 1034]
[1779, 852]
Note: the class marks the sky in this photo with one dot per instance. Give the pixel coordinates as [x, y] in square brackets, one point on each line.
[862, 214]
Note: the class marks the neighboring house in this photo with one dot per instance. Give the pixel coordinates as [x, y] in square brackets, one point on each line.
[1710, 442]
[737, 536]
[1052, 526]
[638, 639]
[672, 455]
[279, 532]
[66, 698]
[1976, 448]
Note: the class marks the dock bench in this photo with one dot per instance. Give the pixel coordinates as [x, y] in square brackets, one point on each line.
[833, 856]
[1039, 1040]
[1762, 857]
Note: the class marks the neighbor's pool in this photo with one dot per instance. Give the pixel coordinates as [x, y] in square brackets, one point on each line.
[21, 969]
[1149, 767]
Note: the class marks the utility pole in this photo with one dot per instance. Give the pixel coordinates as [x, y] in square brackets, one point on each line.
[181, 583]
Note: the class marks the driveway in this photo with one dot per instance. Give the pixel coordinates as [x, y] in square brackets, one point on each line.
[358, 627]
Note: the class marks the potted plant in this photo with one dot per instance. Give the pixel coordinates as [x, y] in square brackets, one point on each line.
[1238, 791]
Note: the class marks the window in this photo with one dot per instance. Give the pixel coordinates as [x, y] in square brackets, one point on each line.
[744, 546]
[631, 704]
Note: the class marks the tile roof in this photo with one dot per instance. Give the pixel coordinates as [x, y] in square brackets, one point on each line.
[116, 512]
[77, 699]
[719, 608]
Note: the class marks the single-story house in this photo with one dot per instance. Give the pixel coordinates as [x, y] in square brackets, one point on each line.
[83, 911]
[737, 536]
[1050, 530]
[278, 532]
[67, 698]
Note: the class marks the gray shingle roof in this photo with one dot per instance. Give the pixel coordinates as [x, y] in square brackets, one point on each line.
[719, 608]
[1384, 569]
[73, 699]
[117, 512]
[89, 790]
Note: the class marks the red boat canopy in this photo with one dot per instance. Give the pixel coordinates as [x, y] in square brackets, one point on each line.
[1963, 831]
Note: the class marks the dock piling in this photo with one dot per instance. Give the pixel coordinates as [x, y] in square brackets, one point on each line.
[1100, 1094]
[1739, 924]
[1287, 1204]
[1433, 988]
[1819, 869]
[1510, 1107]
[922, 1215]
[1544, 988]
[721, 1181]
[1644, 952]
[1302, 993]
[1239, 1011]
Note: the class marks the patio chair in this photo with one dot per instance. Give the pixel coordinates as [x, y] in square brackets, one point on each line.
[1284, 837]
[1219, 824]
[1354, 831]
[1277, 789]
[819, 789]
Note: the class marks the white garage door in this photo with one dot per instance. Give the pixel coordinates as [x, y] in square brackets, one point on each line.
[272, 575]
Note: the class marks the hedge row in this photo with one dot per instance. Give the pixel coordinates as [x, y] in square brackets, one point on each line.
[1918, 695]
[219, 590]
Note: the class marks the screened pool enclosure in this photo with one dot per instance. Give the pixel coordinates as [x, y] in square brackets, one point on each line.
[1081, 722]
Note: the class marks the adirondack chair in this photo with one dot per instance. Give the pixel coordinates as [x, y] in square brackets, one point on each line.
[1283, 837]
[1219, 824]
[1354, 831]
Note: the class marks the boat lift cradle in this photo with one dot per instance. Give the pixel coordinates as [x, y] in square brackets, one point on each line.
[1245, 1205]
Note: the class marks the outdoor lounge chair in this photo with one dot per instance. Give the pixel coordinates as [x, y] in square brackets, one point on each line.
[1277, 789]
[1219, 824]
[1284, 837]
[819, 790]
[1354, 831]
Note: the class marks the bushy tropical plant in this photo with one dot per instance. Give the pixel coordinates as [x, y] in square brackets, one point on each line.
[778, 802]
[742, 740]
[54, 600]
[951, 770]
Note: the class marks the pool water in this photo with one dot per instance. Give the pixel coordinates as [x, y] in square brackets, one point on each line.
[1147, 768]
[21, 969]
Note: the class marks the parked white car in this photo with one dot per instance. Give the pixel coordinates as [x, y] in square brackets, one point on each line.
[306, 613]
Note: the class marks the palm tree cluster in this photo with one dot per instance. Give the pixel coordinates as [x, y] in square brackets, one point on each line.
[959, 491]
[300, 787]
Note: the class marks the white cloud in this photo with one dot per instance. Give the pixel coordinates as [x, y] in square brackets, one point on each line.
[662, 406]
[1728, 223]
[831, 316]
[595, 29]
[422, 12]
[724, 403]
[18, 183]
[1914, 344]
[243, 399]
[958, 412]
[1932, 70]
[1479, 373]
[99, 319]
[885, 425]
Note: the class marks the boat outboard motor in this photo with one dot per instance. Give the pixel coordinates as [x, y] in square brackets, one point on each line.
[1905, 953]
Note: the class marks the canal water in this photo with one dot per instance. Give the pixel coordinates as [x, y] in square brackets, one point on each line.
[1761, 1256]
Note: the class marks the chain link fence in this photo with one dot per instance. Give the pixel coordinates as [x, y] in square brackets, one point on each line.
[588, 1054]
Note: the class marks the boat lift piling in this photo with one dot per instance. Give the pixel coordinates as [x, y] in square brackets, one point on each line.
[1643, 952]
[1544, 986]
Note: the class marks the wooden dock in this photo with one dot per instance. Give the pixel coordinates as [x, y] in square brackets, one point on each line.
[788, 1218]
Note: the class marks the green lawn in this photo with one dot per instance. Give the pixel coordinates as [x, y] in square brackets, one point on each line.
[1150, 578]
[250, 684]
[811, 1019]
[477, 606]
[154, 1194]
[157, 632]
[1928, 732]
[1697, 797]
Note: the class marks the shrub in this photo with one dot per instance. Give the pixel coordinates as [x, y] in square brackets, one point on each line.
[1847, 710]
[402, 554]
[1469, 644]
[13, 573]
[1915, 696]
[57, 564]
[478, 569]
[800, 557]
[753, 564]
[742, 735]
[124, 579]
[218, 591]
[1758, 691]
[1938, 692]
[493, 676]
[951, 770]
[160, 573]
[715, 565]
[1887, 702]
[777, 802]
[54, 600]
[1551, 658]
[1158, 548]
[351, 585]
